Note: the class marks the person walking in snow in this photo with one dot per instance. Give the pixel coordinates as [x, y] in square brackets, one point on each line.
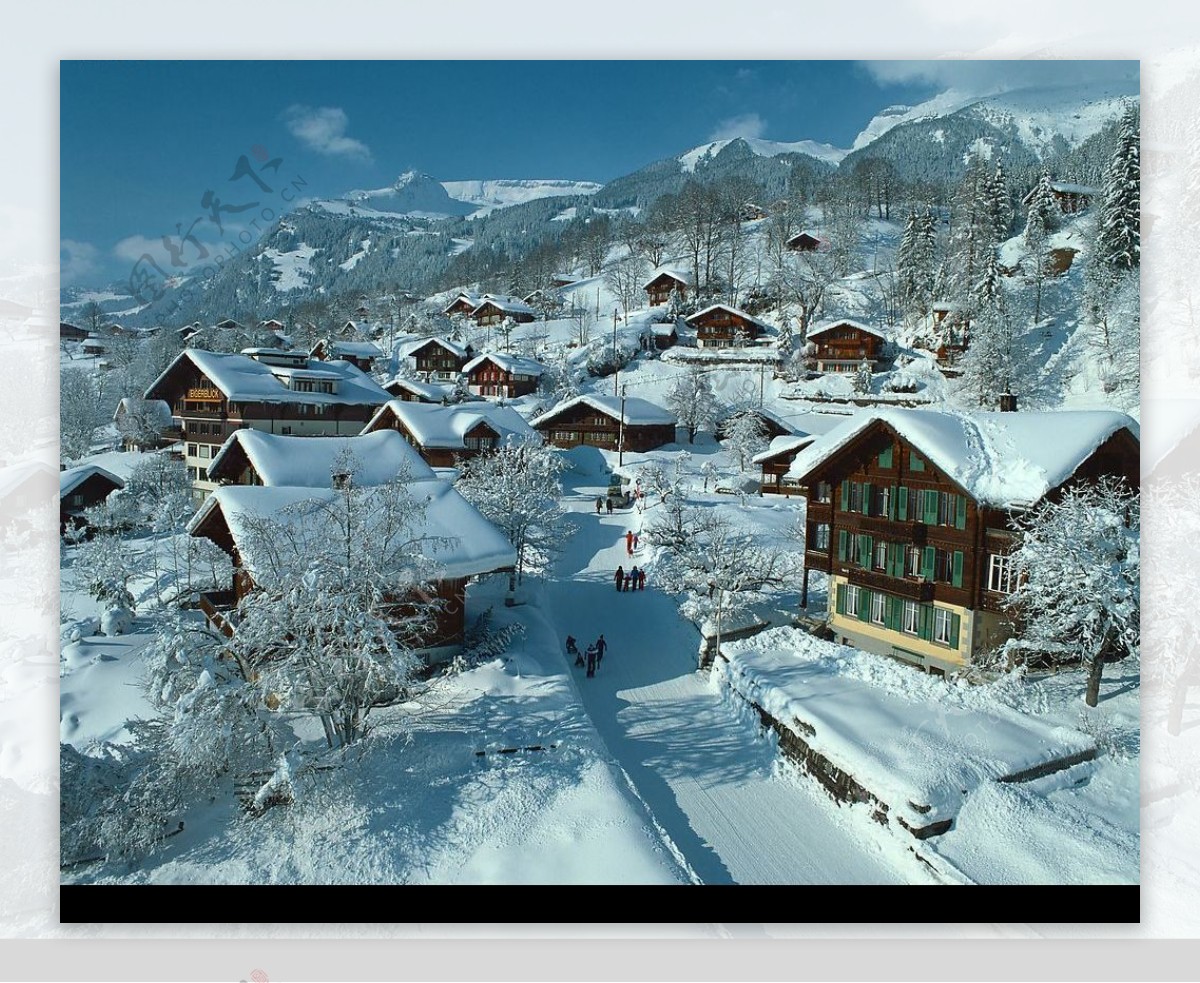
[633, 579]
[608, 504]
[591, 660]
[629, 542]
[620, 577]
[573, 649]
[635, 540]
[598, 504]
[641, 579]
[601, 647]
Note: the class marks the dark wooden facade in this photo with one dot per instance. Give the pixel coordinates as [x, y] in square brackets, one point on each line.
[460, 305]
[323, 353]
[70, 332]
[775, 468]
[724, 327]
[480, 439]
[93, 490]
[842, 347]
[489, 312]
[659, 290]
[490, 379]
[586, 425]
[436, 361]
[803, 242]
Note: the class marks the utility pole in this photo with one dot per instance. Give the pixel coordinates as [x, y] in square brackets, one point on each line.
[621, 432]
[616, 361]
[762, 383]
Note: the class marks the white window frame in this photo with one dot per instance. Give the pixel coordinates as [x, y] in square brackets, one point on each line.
[915, 560]
[821, 537]
[852, 601]
[878, 608]
[912, 614]
[879, 561]
[1001, 577]
[941, 626]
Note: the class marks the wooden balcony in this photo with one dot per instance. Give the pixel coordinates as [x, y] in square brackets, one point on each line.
[818, 560]
[893, 530]
[910, 589]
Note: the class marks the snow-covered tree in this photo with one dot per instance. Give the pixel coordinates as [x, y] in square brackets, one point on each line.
[517, 487]
[1079, 578]
[745, 436]
[999, 358]
[693, 402]
[719, 567]
[1118, 241]
[625, 278]
[82, 412]
[1039, 223]
[916, 264]
[786, 342]
[862, 378]
[104, 566]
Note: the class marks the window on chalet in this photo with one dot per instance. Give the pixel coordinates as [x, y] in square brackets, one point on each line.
[203, 428]
[204, 451]
[878, 608]
[881, 556]
[914, 561]
[945, 627]
[77, 499]
[191, 449]
[915, 461]
[824, 492]
[820, 537]
[885, 458]
[853, 597]
[564, 435]
[479, 443]
[1002, 578]
[912, 618]
[202, 474]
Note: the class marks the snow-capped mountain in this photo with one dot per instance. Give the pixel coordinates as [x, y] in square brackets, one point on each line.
[419, 195]
[413, 193]
[501, 193]
[762, 148]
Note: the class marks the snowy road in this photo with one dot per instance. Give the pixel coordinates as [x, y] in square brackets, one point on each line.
[705, 775]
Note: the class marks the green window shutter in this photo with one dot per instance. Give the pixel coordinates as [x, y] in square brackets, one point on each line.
[891, 511]
[864, 552]
[841, 598]
[845, 496]
[956, 569]
[893, 609]
[901, 503]
[928, 562]
[915, 461]
[954, 623]
[960, 518]
[891, 559]
[866, 498]
[925, 622]
[930, 507]
[864, 605]
[843, 536]
[885, 458]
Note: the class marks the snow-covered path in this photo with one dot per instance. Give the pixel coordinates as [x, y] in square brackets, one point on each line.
[704, 774]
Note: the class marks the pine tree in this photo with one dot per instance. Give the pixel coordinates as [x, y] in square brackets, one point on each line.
[998, 359]
[1118, 243]
[915, 264]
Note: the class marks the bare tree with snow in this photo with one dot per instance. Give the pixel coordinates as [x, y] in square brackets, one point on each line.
[693, 402]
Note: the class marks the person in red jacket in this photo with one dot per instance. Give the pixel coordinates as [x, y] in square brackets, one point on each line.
[629, 542]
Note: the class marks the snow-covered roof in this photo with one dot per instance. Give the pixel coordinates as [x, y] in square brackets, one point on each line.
[674, 274]
[637, 412]
[662, 330]
[244, 379]
[354, 349]
[824, 326]
[308, 462]
[72, 478]
[783, 445]
[731, 310]
[460, 541]
[1073, 189]
[516, 364]
[509, 305]
[425, 390]
[802, 233]
[1009, 460]
[453, 347]
[446, 427]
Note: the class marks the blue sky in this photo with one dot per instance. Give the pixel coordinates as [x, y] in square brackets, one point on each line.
[141, 142]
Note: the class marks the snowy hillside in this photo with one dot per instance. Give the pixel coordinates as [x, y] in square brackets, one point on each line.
[502, 193]
[762, 148]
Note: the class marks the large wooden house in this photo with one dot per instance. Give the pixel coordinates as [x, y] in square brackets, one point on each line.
[445, 436]
[463, 304]
[908, 515]
[213, 394]
[843, 345]
[82, 488]
[663, 282]
[460, 543]
[610, 422]
[437, 359]
[494, 308]
[252, 457]
[722, 326]
[71, 332]
[505, 376]
[361, 354]
[1071, 198]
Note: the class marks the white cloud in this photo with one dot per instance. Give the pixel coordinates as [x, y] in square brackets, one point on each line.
[747, 125]
[323, 129]
[77, 261]
[982, 77]
[133, 247]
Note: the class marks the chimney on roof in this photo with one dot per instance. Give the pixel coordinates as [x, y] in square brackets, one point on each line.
[1008, 403]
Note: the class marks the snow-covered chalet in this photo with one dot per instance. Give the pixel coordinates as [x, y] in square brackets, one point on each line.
[446, 435]
[610, 422]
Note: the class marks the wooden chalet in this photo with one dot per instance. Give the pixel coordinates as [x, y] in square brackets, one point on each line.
[1071, 198]
[722, 326]
[461, 544]
[71, 332]
[909, 517]
[83, 488]
[664, 282]
[505, 376]
[416, 391]
[843, 345]
[361, 354]
[445, 436]
[609, 422]
[663, 336]
[438, 359]
[777, 460]
[213, 394]
[493, 309]
[463, 304]
[803, 242]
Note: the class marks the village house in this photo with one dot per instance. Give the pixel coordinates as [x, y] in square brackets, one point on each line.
[360, 354]
[803, 242]
[506, 376]
[1071, 198]
[662, 336]
[444, 436]
[70, 332]
[771, 423]
[494, 308]
[843, 345]
[460, 543]
[610, 422]
[437, 359]
[722, 326]
[663, 282]
[463, 304]
[416, 391]
[213, 394]
[252, 457]
[789, 436]
[908, 515]
[83, 488]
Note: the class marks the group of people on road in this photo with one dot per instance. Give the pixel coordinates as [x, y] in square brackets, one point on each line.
[604, 503]
[631, 541]
[633, 579]
[592, 657]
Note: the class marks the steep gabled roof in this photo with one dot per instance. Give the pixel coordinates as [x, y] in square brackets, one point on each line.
[516, 364]
[350, 349]
[508, 305]
[428, 391]
[667, 271]
[762, 325]
[1007, 460]
[410, 348]
[72, 478]
[637, 412]
[788, 443]
[445, 427]
[460, 541]
[824, 326]
[308, 462]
